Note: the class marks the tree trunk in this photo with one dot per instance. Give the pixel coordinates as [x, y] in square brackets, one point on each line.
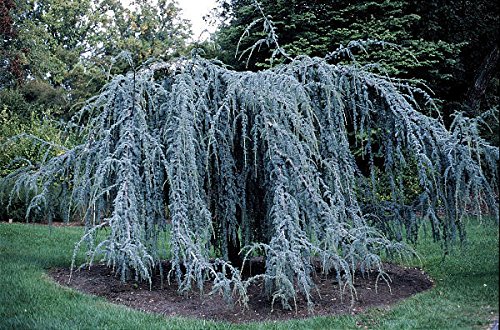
[485, 73]
[233, 250]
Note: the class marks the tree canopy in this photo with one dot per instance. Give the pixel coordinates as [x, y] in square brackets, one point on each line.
[315, 28]
[262, 162]
[71, 45]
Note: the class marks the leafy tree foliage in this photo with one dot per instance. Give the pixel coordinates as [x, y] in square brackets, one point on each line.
[16, 151]
[71, 44]
[10, 57]
[49, 35]
[258, 161]
[146, 30]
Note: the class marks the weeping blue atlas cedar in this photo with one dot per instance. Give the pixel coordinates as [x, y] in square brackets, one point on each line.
[197, 160]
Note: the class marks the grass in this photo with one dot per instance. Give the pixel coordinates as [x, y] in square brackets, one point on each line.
[465, 295]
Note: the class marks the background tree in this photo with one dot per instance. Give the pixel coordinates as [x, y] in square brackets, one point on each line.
[70, 45]
[10, 70]
[145, 29]
[474, 85]
[440, 42]
[316, 28]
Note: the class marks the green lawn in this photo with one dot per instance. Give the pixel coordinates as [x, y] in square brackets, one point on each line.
[465, 295]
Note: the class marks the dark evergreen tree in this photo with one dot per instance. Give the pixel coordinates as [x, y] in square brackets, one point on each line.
[451, 45]
[315, 27]
[474, 83]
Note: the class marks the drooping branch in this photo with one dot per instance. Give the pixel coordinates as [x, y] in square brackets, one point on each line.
[218, 157]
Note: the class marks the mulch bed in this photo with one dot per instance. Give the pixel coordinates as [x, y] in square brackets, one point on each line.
[100, 280]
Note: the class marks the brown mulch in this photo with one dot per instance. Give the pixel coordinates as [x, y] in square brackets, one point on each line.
[99, 280]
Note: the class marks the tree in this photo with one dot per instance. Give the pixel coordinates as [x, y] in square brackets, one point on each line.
[146, 29]
[314, 28]
[440, 42]
[56, 54]
[10, 63]
[71, 45]
[262, 161]
[475, 75]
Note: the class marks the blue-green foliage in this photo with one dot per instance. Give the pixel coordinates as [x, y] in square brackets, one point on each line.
[264, 159]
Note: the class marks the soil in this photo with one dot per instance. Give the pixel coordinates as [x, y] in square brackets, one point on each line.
[99, 280]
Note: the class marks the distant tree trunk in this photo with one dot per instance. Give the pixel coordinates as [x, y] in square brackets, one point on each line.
[485, 73]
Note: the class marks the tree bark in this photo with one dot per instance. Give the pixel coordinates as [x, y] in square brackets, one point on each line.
[485, 73]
